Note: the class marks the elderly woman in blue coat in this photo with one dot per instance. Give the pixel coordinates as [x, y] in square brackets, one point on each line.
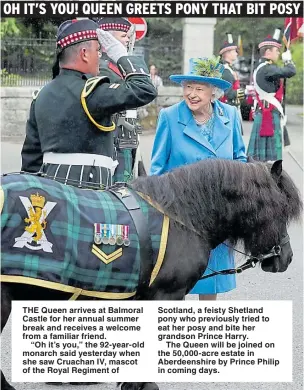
[200, 127]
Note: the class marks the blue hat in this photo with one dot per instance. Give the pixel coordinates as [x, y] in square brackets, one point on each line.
[204, 70]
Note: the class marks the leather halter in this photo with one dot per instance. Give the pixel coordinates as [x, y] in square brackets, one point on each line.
[252, 260]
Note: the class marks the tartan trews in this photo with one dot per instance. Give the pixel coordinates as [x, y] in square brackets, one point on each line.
[123, 172]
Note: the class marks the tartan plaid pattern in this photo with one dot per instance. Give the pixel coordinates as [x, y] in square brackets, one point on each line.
[266, 148]
[124, 171]
[70, 228]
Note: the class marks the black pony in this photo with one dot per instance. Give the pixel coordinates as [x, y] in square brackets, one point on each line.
[208, 203]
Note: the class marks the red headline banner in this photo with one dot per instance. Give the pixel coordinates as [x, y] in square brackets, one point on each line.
[151, 9]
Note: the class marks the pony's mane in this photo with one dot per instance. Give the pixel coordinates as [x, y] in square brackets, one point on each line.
[242, 198]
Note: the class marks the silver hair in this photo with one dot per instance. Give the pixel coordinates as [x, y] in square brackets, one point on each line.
[70, 53]
[217, 93]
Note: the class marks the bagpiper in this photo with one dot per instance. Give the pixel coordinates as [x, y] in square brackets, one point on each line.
[69, 133]
[126, 138]
[229, 54]
[269, 133]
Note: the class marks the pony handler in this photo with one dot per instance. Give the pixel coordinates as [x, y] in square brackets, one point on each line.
[150, 241]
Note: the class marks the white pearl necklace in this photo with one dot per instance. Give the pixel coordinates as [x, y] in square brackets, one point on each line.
[202, 122]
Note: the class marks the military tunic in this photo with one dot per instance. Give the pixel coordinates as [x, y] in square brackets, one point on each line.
[58, 122]
[266, 137]
[230, 75]
[125, 156]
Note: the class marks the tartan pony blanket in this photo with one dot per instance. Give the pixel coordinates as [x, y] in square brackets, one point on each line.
[74, 240]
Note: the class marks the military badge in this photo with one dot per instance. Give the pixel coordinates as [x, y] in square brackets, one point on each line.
[126, 240]
[105, 234]
[119, 239]
[109, 234]
[112, 240]
[97, 234]
[123, 192]
[37, 212]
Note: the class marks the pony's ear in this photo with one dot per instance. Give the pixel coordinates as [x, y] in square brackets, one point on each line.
[250, 159]
[276, 170]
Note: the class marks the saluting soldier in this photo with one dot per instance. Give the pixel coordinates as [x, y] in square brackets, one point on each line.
[269, 133]
[126, 139]
[229, 54]
[69, 133]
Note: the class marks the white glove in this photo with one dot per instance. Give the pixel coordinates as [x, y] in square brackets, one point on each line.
[286, 56]
[111, 45]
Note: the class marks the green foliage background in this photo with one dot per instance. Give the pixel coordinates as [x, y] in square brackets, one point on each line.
[294, 86]
[164, 41]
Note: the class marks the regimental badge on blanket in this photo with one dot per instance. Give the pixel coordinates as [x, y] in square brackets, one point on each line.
[108, 234]
[37, 212]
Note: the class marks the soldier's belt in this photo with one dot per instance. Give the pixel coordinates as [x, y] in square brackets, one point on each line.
[126, 144]
[80, 159]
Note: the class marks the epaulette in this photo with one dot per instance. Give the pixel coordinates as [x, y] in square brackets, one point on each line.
[92, 83]
[88, 88]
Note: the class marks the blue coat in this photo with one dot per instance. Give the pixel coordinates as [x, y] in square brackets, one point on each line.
[178, 141]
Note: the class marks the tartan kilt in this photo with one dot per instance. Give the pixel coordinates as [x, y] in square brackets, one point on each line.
[266, 148]
[68, 254]
[124, 170]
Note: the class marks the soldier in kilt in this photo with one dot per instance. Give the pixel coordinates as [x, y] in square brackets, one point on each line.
[126, 139]
[269, 134]
[229, 54]
[69, 133]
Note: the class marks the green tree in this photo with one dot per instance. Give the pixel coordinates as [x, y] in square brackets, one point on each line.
[164, 45]
[9, 28]
[294, 85]
[252, 31]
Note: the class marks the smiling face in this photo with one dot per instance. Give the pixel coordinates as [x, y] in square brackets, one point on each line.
[197, 95]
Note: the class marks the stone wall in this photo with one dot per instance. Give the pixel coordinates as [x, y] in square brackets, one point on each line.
[16, 101]
[15, 105]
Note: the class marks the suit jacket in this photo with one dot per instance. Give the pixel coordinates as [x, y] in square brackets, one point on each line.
[178, 140]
